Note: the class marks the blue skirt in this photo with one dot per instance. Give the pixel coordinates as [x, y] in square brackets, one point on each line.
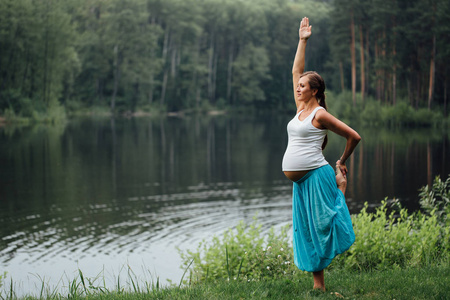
[322, 227]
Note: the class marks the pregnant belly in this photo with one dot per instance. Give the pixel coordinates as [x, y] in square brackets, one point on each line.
[295, 175]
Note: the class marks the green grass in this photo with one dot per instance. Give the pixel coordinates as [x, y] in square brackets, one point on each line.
[431, 282]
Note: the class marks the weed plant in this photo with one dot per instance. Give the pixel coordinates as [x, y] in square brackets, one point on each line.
[436, 200]
[243, 253]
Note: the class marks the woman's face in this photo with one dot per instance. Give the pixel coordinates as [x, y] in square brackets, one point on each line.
[304, 91]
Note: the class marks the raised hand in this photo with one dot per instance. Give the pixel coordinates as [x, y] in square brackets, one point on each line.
[305, 29]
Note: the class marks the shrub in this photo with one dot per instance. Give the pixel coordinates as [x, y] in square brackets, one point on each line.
[243, 253]
[387, 239]
[371, 115]
[426, 117]
[435, 200]
[400, 114]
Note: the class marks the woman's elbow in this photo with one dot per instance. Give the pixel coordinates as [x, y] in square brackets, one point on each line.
[353, 137]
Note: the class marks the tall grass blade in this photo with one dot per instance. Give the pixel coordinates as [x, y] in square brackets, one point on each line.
[118, 284]
[82, 281]
[130, 275]
[182, 277]
[41, 294]
[11, 290]
[228, 265]
[240, 266]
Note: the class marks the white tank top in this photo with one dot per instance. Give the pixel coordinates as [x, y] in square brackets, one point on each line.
[304, 149]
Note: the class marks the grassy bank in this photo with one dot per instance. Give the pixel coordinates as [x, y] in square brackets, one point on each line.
[430, 282]
[418, 283]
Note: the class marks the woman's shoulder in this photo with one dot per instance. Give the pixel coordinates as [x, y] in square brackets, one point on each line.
[322, 114]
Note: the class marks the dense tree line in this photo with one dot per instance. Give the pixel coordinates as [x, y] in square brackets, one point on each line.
[185, 54]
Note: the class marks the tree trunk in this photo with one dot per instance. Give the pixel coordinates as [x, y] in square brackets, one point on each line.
[165, 45]
[173, 62]
[117, 62]
[214, 79]
[44, 85]
[418, 92]
[394, 78]
[150, 92]
[163, 88]
[353, 57]
[229, 72]
[341, 74]
[367, 61]
[383, 70]
[377, 72]
[362, 63]
[25, 73]
[394, 68]
[100, 89]
[432, 72]
[164, 58]
[210, 68]
[445, 97]
[195, 86]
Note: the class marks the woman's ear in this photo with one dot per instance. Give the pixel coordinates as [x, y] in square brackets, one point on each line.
[314, 92]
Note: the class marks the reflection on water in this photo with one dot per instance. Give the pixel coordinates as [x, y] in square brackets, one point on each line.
[102, 194]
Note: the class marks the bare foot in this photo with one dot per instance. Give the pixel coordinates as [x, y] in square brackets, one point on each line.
[341, 180]
[319, 288]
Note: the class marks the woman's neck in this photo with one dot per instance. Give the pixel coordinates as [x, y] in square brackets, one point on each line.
[311, 104]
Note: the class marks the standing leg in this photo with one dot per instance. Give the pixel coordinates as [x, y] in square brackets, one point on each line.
[341, 181]
[319, 281]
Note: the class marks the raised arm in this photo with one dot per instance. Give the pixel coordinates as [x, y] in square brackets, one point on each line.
[298, 67]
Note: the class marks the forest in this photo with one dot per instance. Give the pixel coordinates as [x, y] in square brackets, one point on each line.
[124, 56]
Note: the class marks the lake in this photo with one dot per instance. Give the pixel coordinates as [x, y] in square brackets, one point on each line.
[111, 195]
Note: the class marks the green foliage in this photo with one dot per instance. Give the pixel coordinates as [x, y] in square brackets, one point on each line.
[373, 113]
[435, 200]
[129, 54]
[251, 69]
[243, 253]
[384, 238]
[340, 105]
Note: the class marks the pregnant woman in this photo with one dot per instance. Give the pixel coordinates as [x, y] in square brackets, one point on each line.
[322, 227]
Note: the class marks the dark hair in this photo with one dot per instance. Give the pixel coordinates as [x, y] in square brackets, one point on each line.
[316, 82]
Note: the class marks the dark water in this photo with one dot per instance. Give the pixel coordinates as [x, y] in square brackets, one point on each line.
[104, 195]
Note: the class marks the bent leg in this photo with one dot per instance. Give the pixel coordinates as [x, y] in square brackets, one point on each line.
[341, 180]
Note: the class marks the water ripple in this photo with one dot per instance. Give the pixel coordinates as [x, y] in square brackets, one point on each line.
[146, 225]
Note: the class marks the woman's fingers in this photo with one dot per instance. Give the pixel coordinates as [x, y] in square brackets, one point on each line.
[342, 167]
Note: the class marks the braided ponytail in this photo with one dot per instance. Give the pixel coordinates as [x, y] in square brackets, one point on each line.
[316, 82]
